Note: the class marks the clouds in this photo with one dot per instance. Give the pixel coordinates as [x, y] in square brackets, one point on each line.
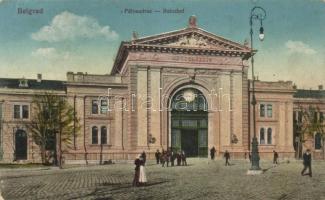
[69, 26]
[51, 54]
[299, 47]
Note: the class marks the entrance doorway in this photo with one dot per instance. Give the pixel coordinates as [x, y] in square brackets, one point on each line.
[189, 123]
[189, 142]
[20, 145]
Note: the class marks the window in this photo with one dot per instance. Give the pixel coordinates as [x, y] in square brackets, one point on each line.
[103, 106]
[94, 107]
[94, 135]
[321, 117]
[99, 136]
[269, 110]
[21, 111]
[99, 106]
[269, 136]
[103, 135]
[318, 141]
[262, 136]
[262, 110]
[16, 111]
[266, 110]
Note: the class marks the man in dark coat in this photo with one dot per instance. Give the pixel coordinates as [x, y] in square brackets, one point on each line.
[179, 158]
[172, 158]
[212, 153]
[307, 163]
[137, 163]
[183, 157]
[157, 155]
[144, 157]
[227, 157]
[275, 157]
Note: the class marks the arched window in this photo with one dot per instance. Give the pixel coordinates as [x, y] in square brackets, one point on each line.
[103, 135]
[269, 136]
[318, 141]
[262, 136]
[189, 99]
[94, 135]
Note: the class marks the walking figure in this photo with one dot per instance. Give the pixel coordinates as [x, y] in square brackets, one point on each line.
[163, 158]
[227, 157]
[275, 158]
[212, 153]
[137, 171]
[183, 156]
[307, 163]
[142, 173]
[144, 157]
[158, 155]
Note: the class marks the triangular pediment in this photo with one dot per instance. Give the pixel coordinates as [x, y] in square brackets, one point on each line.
[191, 38]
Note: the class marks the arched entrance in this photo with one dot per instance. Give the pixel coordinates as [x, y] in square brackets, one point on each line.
[20, 145]
[189, 122]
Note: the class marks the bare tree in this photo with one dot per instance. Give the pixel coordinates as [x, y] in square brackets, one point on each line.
[54, 118]
[311, 124]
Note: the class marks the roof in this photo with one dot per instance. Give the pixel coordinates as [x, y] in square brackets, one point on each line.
[182, 41]
[32, 84]
[316, 94]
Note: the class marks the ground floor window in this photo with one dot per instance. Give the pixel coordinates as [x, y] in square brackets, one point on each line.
[318, 141]
[96, 135]
[20, 145]
[266, 135]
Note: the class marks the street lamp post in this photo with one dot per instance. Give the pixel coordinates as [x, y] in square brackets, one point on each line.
[257, 13]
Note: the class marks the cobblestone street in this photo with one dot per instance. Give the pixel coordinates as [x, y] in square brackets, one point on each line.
[202, 179]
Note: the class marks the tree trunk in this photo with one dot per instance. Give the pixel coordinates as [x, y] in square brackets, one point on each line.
[43, 155]
[323, 140]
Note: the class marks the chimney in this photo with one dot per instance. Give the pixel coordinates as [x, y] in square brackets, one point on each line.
[320, 87]
[39, 78]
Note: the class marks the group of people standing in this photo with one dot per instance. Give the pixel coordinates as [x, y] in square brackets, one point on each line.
[166, 157]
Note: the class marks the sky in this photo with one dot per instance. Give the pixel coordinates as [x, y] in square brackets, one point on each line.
[84, 35]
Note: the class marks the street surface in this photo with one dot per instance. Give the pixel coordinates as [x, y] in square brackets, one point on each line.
[202, 179]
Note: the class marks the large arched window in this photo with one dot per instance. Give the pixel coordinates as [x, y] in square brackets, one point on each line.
[262, 136]
[269, 136]
[318, 141]
[189, 99]
[94, 135]
[103, 135]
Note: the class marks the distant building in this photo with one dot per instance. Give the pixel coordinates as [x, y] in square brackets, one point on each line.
[186, 90]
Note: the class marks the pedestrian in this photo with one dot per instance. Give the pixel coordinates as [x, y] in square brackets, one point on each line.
[275, 158]
[144, 157]
[212, 153]
[172, 158]
[158, 155]
[142, 173]
[163, 158]
[227, 157]
[183, 157]
[137, 163]
[307, 163]
[168, 157]
[179, 158]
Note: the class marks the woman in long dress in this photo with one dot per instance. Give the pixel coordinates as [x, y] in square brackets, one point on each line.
[142, 174]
